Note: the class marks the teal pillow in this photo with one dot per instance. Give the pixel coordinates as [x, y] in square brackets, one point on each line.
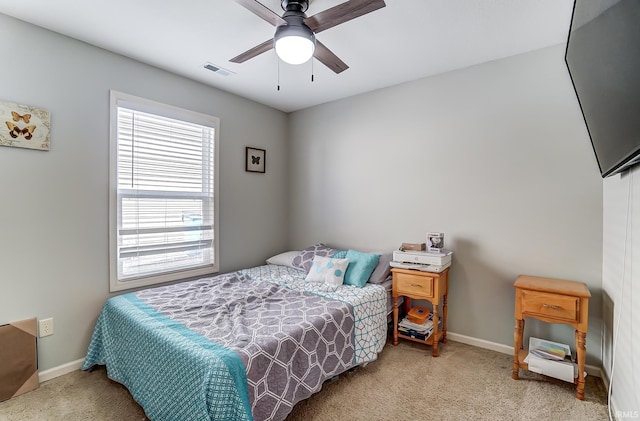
[361, 266]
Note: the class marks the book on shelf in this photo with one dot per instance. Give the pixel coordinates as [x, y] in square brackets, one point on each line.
[417, 331]
[549, 350]
[418, 327]
[422, 335]
[428, 323]
[549, 355]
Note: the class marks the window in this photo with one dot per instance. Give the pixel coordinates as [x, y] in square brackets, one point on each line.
[163, 206]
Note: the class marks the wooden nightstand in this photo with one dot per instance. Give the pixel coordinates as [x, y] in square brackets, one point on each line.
[429, 286]
[552, 301]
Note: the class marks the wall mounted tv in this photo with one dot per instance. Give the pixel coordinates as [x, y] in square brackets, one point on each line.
[603, 58]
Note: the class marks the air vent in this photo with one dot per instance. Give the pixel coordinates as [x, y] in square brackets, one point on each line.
[217, 69]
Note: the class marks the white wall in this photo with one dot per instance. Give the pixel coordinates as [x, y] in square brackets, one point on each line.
[54, 205]
[496, 156]
[621, 290]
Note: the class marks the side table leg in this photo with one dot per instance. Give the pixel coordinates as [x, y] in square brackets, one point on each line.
[444, 319]
[581, 351]
[395, 321]
[517, 346]
[434, 334]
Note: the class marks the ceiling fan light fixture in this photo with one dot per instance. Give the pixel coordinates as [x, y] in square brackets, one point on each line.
[294, 44]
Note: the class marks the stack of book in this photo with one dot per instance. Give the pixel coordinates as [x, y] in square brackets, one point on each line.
[417, 331]
[550, 351]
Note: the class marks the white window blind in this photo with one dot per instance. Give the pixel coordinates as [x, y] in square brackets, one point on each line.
[165, 203]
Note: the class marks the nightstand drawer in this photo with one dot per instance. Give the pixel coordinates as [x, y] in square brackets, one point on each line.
[550, 305]
[417, 285]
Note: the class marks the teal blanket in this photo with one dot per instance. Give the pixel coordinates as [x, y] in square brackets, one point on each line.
[173, 372]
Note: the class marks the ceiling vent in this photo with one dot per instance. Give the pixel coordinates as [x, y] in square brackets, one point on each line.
[217, 69]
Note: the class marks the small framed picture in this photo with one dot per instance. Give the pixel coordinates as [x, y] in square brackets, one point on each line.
[255, 160]
[435, 241]
[24, 126]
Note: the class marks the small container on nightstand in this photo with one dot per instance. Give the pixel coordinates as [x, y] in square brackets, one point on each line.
[418, 315]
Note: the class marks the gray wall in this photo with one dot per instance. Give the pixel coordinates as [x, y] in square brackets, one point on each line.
[496, 156]
[54, 205]
[621, 290]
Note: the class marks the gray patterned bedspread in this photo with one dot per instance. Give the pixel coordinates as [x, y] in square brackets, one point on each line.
[290, 341]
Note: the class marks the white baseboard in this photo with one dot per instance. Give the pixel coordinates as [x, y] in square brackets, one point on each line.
[591, 370]
[60, 370]
[480, 343]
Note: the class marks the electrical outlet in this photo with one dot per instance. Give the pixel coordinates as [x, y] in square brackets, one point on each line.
[45, 327]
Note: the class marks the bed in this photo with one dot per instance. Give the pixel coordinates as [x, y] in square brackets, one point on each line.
[243, 345]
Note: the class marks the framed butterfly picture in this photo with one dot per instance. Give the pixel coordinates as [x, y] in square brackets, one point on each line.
[255, 160]
[24, 126]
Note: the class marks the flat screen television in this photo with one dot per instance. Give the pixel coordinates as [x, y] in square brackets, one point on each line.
[603, 58]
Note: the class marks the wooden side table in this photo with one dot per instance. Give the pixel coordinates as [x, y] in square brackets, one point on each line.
[551, 301]
[429, 286]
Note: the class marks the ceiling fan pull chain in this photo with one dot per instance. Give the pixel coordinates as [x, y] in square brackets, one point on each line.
[311, 69]
[278, 73]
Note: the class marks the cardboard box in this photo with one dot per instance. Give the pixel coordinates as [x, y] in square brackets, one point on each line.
[565, 370]
[413, 246]
[18, 358]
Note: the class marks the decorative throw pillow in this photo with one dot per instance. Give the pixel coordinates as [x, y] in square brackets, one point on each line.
[382, 270]
[361, 265]
[328, 271]
[283, 259]
[340, 254]
[305, 258]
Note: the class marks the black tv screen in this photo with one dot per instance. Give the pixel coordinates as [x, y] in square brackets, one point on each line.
[603, 58]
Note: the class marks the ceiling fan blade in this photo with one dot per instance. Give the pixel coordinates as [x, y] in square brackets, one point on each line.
[261, 11]
[342, 13]
[326, 57]
[255, 51]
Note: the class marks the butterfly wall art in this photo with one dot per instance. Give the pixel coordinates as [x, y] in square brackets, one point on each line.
[24, 126]
[255, 159]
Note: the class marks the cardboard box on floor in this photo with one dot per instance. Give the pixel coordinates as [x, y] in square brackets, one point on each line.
[18, 358]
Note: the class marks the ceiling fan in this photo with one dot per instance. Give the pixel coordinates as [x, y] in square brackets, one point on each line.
[294, 39]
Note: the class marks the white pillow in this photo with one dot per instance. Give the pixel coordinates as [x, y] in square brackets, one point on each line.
[283, 259]
[328, 271]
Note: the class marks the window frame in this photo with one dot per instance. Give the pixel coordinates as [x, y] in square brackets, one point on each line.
[119, 99]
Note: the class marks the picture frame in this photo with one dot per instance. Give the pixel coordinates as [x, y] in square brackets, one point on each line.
[24, 126]
[255, 160]
[435, 241]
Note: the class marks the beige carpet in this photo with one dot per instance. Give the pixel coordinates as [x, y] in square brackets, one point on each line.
[406, 383]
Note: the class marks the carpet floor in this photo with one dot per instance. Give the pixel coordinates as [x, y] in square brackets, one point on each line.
[405, 383]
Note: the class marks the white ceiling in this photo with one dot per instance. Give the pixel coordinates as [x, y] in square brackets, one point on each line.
[406, 40]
